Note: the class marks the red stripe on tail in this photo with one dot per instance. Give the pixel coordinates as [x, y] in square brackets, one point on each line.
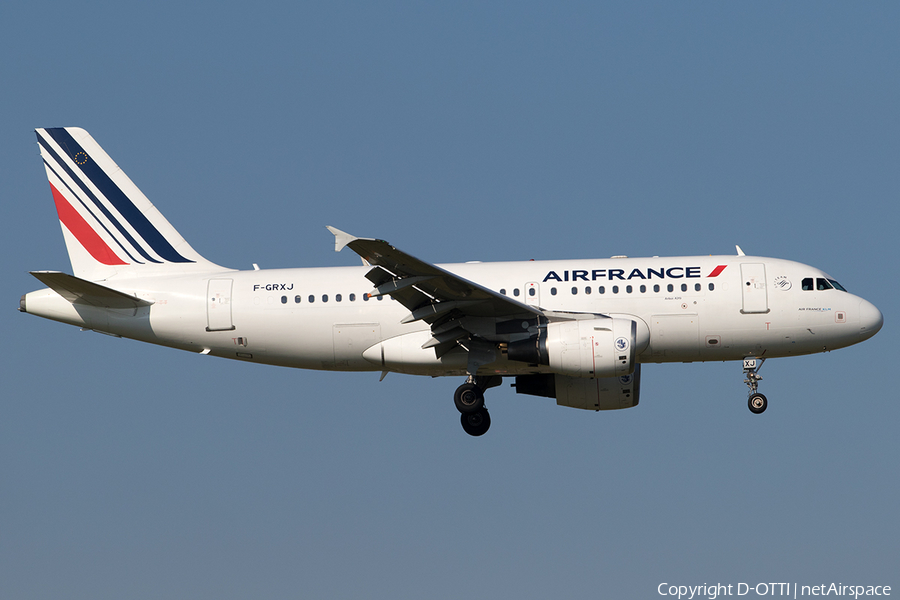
[83, 232]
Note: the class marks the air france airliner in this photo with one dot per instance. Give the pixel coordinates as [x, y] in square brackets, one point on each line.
[574, 330]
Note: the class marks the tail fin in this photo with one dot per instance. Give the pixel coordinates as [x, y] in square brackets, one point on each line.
[111, 229]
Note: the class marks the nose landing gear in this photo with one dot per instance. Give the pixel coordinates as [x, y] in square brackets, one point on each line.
[757, 403]
[469, 401]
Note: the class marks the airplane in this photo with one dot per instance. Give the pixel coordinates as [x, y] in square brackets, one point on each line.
[578, 331]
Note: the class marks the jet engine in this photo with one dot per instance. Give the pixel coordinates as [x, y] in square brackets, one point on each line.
[589, 348]
[606, 393]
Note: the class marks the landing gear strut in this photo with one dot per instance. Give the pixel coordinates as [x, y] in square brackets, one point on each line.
[469, 401]
[756, 402]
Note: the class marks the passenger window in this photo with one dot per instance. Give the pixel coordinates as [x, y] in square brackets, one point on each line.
[670, 287]
[615, 289]
[312, 298]
[712, 287]
[656, 287]
[296, 299]
[553, 291]
[807, 284]
[628, 288]
[338, 298]
[284, 299]
[531, 291]
[602, 289]
[503, 291]
[643, 289]
[696, 287]
[324, 297]
[822, 284]
[683, 287]
[352, 297]
[587, 290]
[516, 292]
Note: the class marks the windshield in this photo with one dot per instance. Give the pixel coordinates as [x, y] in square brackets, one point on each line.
[821, 284]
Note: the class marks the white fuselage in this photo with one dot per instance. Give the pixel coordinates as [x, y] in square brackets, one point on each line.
[692, 308]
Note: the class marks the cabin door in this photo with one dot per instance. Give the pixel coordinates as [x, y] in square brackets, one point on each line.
[218, 305]
[753, 288]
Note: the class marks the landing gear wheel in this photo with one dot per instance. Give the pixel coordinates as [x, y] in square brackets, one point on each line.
[477, 423]
[469, 399]
[757, 403]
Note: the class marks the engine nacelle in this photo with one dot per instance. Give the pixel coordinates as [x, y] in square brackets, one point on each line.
[607, 393]
[589, 348]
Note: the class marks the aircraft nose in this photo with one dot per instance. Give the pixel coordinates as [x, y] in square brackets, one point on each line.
[870, 319]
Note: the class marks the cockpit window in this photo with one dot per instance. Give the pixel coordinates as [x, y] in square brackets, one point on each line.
[821, 284]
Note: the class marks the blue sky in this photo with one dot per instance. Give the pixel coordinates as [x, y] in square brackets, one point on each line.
[469, 131]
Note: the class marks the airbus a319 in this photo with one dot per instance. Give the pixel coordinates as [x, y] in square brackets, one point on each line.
[574, 330]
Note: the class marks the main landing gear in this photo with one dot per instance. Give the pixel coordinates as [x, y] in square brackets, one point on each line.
[469, 401]
[757, 403]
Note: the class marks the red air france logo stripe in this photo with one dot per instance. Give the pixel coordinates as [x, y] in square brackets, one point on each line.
[83, 232]
[717, 271]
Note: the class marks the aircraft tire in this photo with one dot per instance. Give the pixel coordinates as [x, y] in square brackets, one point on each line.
[468, 398]
[477, 423]
[757, 404]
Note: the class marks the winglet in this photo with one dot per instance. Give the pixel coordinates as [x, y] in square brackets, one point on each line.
[739, 251]
[341, 238]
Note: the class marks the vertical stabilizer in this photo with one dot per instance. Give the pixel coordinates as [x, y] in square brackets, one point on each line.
[111, 229]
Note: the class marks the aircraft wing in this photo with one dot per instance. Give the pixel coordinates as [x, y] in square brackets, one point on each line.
[428, 291]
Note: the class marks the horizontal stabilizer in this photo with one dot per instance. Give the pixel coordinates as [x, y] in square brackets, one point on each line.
[81, 291]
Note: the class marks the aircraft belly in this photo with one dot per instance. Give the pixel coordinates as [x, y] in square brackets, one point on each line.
[674, 337]
[350, 341]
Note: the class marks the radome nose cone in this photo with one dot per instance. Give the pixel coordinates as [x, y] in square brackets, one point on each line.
[870, 319]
